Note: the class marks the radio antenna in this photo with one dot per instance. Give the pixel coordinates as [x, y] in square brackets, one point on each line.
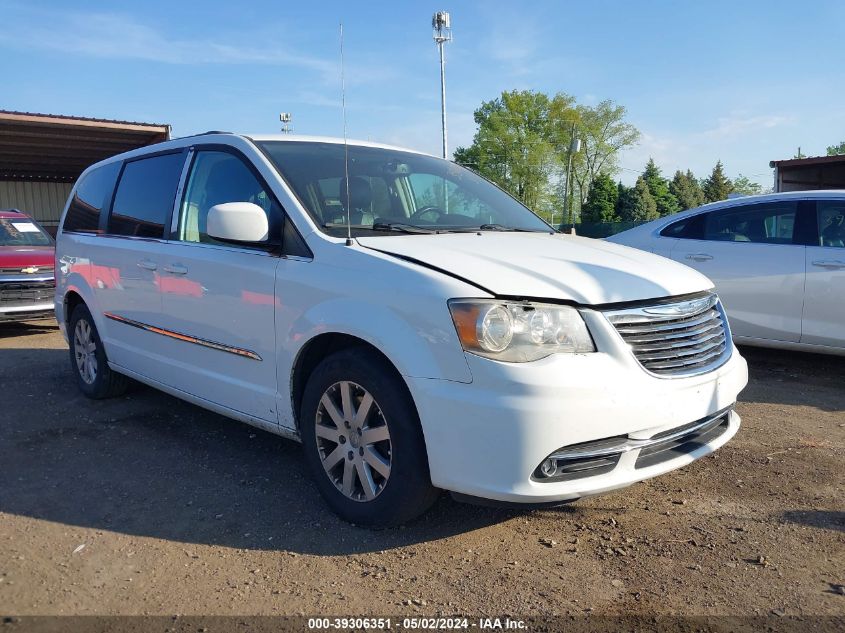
[345, 145]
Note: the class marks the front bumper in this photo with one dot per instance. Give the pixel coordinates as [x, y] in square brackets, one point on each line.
[27, 312]
[487, 438]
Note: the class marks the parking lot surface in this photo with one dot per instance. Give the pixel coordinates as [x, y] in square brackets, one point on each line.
[148, 505]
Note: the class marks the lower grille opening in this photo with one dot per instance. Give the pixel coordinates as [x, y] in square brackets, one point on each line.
[678, 446]
[601, 456]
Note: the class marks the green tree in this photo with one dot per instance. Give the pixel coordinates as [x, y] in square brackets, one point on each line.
[836, 150]
[667, 203]
[743, 186]
[601, 201]
[686, 190]
[621, 200]
[524, 140]
[638, 204]
[717, 186]
[603, 132]
[513, 145]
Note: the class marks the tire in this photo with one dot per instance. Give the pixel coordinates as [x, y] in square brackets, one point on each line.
[88, 359]
[372, 499]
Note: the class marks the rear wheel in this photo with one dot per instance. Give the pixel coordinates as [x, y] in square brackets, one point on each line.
[363, 440]
[88, 358]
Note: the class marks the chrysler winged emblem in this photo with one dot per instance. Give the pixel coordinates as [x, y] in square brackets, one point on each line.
[682, 309]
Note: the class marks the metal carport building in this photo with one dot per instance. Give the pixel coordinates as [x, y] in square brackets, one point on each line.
[815, 172]
[42, 155]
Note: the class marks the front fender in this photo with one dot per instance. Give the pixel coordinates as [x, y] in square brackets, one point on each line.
[419, 340]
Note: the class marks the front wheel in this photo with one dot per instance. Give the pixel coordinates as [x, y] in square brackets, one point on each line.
[363, 441]
[88, 358]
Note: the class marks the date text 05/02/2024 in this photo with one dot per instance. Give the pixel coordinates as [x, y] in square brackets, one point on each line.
[416, 623]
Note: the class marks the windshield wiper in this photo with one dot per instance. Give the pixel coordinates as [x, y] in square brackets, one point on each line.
[379, 226]
[502, 227]
[402, 228]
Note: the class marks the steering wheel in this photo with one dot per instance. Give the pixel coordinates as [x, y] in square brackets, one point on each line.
[420, 214]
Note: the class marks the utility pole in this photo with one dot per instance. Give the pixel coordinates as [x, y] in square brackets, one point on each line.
[442, 27]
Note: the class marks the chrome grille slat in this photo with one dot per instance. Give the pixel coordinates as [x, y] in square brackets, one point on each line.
[648, 338]
[676, 350]
[19, 270]
[698, 360]
[682, 338]
[663, 325]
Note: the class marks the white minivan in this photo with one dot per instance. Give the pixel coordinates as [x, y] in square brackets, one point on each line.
[415, 327]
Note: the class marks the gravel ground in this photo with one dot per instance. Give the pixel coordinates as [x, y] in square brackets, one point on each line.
[148, 505]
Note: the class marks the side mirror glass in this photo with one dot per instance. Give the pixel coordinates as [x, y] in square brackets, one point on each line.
[238, 222]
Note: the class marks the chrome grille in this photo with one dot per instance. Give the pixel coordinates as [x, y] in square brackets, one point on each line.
[24, 294]
[676, 339]
[20, 269]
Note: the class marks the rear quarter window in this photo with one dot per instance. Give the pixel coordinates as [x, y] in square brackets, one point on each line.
[689, 228]
[90, 197]
[145, 196]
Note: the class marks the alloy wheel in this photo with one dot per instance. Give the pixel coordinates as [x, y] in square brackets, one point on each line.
[353, 441]
[85, 351]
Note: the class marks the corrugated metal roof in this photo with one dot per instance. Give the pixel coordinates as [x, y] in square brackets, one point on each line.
[71, 117]
[808, 160]
[57, 147]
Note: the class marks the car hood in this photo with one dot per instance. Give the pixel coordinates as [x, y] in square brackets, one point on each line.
[25, 256]
[546, 266]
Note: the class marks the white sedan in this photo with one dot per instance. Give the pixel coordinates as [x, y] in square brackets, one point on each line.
[778, 262]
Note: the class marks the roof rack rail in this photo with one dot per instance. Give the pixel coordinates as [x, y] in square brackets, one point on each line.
[207, 133]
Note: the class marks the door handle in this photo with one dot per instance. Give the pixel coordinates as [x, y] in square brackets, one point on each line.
[699, 257]
[831, 264]
[147, 264]
[176, 269]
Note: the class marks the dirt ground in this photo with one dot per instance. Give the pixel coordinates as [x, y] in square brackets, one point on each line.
[148, 505]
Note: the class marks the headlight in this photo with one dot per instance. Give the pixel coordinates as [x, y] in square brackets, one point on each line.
[519, 332]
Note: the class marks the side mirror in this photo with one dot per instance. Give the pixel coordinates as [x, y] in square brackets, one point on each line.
[237, 222]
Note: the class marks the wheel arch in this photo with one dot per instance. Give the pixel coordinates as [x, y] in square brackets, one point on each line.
[321, 347]
[71, 300]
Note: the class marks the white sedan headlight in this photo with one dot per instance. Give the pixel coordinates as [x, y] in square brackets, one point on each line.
[519, 332]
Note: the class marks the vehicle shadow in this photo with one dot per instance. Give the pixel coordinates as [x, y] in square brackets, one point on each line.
[151, 465]
[794, 378]
[9, 329]
[826, 519]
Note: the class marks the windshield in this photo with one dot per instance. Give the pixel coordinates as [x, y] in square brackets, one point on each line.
[390, 190]
[22, 232]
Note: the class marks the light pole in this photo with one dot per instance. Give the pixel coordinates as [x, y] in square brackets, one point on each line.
[285, 118]
[442, 26]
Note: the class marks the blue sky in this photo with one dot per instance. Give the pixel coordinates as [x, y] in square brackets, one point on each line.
[744, 82]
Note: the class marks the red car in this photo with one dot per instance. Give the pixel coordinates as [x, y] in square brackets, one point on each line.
[27, 279]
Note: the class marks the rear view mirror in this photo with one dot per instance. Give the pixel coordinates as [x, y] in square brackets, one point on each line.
[237, 222]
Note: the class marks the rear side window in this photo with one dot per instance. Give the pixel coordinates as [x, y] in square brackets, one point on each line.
[145, 196]
[831, 222]
[767, 223]
[690, 228]
[91, 195]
